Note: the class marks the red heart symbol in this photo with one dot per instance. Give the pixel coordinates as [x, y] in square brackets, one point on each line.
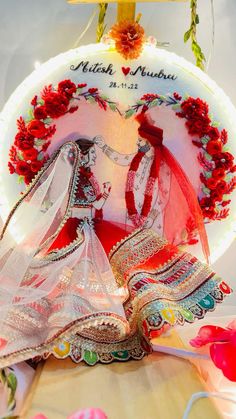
[125, 70]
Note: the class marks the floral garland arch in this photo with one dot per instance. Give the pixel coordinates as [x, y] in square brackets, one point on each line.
[29, 152]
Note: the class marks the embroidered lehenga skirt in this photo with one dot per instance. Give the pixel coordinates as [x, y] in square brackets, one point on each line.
[158, 284]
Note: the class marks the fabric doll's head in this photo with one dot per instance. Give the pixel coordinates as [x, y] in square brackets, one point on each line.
[148, 131]
[87, 152]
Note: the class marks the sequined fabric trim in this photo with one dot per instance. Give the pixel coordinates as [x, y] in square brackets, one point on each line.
[135, 249]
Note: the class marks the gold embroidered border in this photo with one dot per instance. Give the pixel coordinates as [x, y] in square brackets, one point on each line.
[66, 333]
[133, 250]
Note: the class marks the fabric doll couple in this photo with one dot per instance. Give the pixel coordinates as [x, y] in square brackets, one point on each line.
[74, 284]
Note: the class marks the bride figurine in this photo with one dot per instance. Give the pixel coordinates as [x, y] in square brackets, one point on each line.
[74, 284]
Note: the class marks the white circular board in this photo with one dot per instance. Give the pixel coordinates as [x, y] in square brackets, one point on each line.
[155, 72]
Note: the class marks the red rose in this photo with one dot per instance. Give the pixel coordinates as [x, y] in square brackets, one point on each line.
[22, 168]
[82, 85]
[92, 90]
[211, 183]
[205, 202]
[216, 195]
[36, 128]
[209, 213]
[23, 142]
[221, 186]
[213, 133]
[36, 166]
[56, 104]
[67, 87]
[40, 112]
[11, 168]
[30, 154]
[194, 108]
[197, 127]
[225, 160]
[218, 173]
[214, 147]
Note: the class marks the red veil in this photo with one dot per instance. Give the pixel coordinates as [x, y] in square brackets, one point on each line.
[180, 207]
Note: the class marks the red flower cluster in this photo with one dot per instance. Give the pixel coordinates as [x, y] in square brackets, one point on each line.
[198, 123]
[149, 96]
[224, 164]
[56, 104]
[67, 88]
[222, 341]
[177, 96]
[28, 154]
[195, 111]
[24, 156]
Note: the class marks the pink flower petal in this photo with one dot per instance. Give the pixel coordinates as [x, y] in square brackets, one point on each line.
[208, 334]
[224, 357]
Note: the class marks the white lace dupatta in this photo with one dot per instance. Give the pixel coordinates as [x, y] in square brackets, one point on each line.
[40, 298]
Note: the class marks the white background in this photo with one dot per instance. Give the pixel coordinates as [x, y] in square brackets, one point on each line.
[35, 30]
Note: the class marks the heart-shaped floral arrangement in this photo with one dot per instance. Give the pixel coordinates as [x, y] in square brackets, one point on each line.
[29, 152]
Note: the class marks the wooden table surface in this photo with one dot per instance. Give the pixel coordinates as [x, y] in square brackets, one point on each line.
[159, 387]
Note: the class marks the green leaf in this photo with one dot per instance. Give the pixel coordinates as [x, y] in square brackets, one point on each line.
[90, 99]
[38, 142]
[228, 177]
[104, 97]
[12, 382]
[140, 102]
[153, 103]
[3, 375]
[112, 106]
[207, 174]
[206, 190]
[225, 197]
[40, 102]
[226, 148]
[48, 120]
[196, 48]
[129, 113]
[207, 156]
[176, 107]
[79, 90]
[19, 155]
[30, 114]
[204, 140]
[40, 156]
[20, 179]
[215, 123]
[187, 35]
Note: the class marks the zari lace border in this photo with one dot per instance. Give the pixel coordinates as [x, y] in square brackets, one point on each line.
[66, 333]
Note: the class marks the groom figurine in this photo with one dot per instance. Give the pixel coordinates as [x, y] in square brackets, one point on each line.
[143, 202]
